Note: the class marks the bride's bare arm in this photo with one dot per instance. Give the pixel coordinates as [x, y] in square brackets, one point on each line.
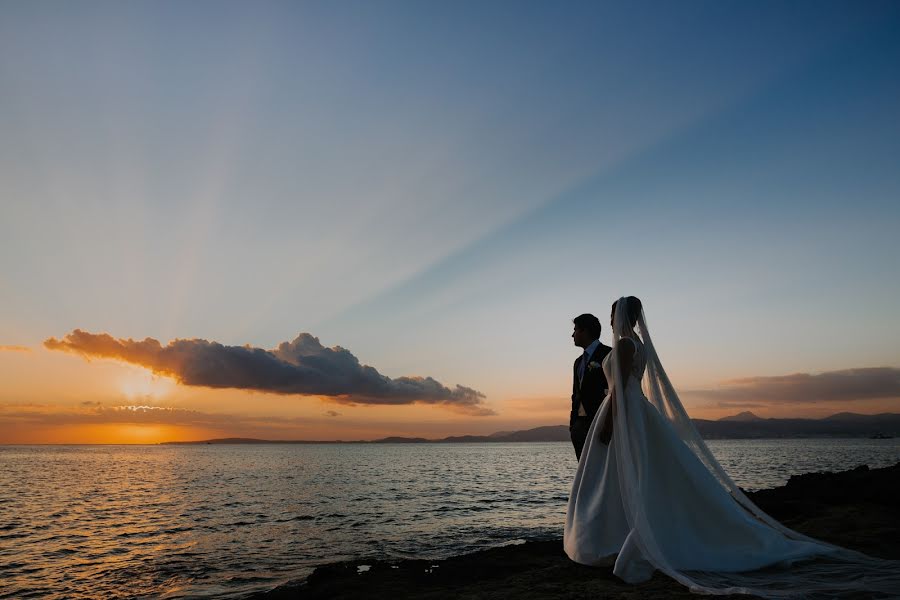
[625, 360]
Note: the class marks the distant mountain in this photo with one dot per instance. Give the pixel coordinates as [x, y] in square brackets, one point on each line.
[225, 441]
[744, 416]
[500, 433]
[258, 441]
[839, 425]
[468, 439]
[548, 433]
[745, 425]
[849, 416]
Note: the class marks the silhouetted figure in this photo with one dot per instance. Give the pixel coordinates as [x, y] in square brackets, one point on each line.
[589, 385]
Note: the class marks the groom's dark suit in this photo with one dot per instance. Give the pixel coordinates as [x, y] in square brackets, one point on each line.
[589, 393]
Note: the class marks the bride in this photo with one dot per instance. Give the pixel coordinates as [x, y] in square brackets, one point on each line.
[648, 494]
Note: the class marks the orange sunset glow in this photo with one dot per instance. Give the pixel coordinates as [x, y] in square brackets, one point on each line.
[247, 236]
[405, 299]
[114, 402]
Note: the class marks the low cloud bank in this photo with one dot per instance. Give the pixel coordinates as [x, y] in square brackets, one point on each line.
[846, 385]
[299, 367]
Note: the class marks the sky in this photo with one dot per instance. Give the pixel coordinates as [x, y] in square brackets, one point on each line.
[350, 220]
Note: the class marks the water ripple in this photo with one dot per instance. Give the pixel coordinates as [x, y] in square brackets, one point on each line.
[225, 521]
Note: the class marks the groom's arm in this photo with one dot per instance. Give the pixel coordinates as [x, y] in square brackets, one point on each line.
[574, 389]
[625, 358]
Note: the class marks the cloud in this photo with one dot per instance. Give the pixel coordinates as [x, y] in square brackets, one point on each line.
[831, 386]
[332, 413]
[23, 416]
[300, 367]
[90, 413]
[740, 405]
[14, 348]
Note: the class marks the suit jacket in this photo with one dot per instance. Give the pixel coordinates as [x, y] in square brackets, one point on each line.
[590, 391]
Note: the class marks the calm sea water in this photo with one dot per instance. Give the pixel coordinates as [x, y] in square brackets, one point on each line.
[225, 521]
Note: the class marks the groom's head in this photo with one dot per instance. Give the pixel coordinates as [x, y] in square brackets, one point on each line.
[587, 329]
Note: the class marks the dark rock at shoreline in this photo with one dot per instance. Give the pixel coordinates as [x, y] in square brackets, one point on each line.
[858, 509]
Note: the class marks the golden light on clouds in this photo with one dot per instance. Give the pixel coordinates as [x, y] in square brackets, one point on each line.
[302, 367]
[8, 348]
[46, 397]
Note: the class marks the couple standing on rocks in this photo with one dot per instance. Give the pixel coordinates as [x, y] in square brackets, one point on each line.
[649, 495]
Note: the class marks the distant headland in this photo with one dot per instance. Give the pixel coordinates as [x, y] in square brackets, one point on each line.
[745, 425]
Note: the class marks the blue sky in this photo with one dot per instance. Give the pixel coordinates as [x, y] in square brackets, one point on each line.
[441, 187]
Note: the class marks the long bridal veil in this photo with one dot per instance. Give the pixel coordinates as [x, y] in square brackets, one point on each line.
[831, 573]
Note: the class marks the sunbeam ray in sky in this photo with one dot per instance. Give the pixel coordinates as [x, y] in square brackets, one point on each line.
[442, 194]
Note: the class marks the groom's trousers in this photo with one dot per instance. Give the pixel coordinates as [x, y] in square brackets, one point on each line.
[578, 430]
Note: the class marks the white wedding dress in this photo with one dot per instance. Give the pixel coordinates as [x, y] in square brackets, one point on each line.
[656, 498]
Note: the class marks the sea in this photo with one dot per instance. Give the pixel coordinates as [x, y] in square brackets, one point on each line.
[228, 521]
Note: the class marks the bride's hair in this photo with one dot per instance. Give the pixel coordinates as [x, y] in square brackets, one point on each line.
[633, 307]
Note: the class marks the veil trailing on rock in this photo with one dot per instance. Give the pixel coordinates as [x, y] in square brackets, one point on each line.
[829, 572]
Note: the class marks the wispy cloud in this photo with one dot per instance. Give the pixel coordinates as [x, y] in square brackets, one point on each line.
[846, 385]
[90, 413]
[21, 418]
[8, 348]
[300, 367]
[724, 404]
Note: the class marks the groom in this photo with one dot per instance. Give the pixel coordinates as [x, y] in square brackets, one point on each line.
[589, 385]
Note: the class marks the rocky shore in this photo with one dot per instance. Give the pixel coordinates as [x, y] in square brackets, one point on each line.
[858, 509]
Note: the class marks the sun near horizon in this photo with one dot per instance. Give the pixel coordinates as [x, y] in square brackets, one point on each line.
[113, 402]
[220, 223]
